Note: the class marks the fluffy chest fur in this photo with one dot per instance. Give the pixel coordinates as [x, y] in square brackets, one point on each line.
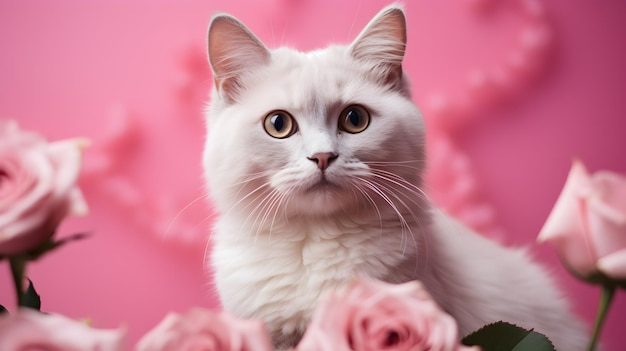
[280, 277]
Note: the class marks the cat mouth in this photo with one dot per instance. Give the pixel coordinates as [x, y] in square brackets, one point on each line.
[322, 184]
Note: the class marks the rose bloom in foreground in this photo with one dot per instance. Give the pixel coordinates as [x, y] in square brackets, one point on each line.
[28, 329]
[37, 187]
[587, 225]
[205, 330]
[372, 316]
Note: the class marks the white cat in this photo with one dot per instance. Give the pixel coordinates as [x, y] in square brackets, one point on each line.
[314, 161]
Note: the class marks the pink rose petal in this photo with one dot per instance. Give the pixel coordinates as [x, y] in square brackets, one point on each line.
[66, 155]
[37, 187]
[205, 330]
[564, 227]
[614, 265]
[607, 227]
[372, 315]
[608, 213]
[588, 223]
[29, 330]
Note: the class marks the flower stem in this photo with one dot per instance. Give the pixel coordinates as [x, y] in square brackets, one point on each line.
[608, 290]
[18, 267]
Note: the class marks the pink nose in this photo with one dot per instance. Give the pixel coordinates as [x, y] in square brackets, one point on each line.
[323, 159]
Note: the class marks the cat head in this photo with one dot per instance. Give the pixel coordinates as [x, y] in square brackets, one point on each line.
[311, 133]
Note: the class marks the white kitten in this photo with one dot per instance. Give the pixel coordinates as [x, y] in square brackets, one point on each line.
[314, 162]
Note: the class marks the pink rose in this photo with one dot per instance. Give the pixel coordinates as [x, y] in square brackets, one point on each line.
[37, 187]
[588, 223]
[202, 330]
[28, 330]
[372, 315]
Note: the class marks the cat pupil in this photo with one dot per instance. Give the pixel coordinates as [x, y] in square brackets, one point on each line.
[277, 121]
[354, 117]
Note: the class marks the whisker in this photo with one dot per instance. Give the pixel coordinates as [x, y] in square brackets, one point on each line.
[252, 176]
[419, 191]
[405, 164]
[265, 185]
[257, 210]
[274, 198]
[403, 223]
[403, 184]
[185, 208]
[370, 200]
[394, 162]
[412, 189]
[406, 206]
[356, 14]
[282, 202]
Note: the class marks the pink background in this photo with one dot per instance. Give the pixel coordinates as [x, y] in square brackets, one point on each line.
[132, 76]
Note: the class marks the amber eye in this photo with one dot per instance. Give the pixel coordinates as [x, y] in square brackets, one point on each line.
[279, 124]
[354, 119]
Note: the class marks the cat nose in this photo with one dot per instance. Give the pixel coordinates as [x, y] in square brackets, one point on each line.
[323, 159]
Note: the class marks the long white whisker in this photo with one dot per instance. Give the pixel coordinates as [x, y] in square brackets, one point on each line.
[403, 164]
[402, 183]
[370, 200]
[403, 223]
[251, 177]
[191, 203]
[258, 209]
[270, 206]
[395, 194]
[391, 192]
[408, 184]
[265, 185]
[412, 189]
[282, 200]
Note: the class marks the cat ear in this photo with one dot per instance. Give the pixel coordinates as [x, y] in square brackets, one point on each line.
[233, 51]
[382, 43]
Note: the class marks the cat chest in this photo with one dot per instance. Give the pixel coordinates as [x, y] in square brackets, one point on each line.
[281, 277]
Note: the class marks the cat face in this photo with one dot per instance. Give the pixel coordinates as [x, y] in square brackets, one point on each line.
[299, 134]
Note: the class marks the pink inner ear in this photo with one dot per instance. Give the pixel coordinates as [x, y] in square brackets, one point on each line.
[382, 44]
[233, 51]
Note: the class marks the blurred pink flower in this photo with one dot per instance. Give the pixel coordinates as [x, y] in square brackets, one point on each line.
[372, 315]
[31, 330]
[587, 225]
[37, 187]
[203, 330]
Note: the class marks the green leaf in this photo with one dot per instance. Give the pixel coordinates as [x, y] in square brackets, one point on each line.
[52, 244]
[502, 336]
[30, 298]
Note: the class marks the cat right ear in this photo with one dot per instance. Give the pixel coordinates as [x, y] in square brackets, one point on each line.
[233, 51]
[382, 44]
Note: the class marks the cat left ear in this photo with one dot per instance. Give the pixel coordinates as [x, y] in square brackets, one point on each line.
[233, 51]
[382, 44]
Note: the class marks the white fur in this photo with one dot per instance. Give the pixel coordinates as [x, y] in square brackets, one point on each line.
[281, 242]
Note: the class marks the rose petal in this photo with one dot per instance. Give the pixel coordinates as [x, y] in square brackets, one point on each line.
[613, 189]
[201, 329]
[77, 206]
[32, 162]
[66, 156]
[54, 332]
[365, 315]
[564, 228]
[38, 187]
[607, 227]
[614, 265]
[608, 212]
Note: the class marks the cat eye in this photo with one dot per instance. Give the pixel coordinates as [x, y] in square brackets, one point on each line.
[354, 119]
[279, 124]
